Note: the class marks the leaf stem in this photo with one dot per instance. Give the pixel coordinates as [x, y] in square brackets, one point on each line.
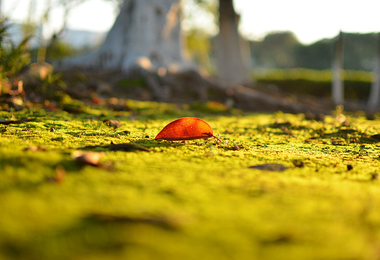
[217, 138]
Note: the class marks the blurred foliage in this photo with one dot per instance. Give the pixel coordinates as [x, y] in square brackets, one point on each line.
[312, 75]
[276, 50]
[18, 74]
[198, 47]
[57, 50]
[52, 86]
[282, 50]
[212, 107]
[12, 57]
[316, 82]
[196, 12]
[318, 55]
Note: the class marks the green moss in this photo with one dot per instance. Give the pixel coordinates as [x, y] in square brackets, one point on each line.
[189, 200]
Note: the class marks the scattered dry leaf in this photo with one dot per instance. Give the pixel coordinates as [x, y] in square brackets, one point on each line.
[8, 122]
[270, 167]
[161, 221]
[35, 148]
[298, 164]
[60, 173]
[90, 158]
[113, 123]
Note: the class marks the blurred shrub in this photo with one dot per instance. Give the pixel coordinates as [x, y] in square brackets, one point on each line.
[12, 57]
[198, 49]
[57, 50]
[316, 82]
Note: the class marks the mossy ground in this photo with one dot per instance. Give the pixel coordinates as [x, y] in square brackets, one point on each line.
[189, 200]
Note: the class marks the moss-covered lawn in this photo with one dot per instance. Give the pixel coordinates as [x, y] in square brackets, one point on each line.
[188, 200]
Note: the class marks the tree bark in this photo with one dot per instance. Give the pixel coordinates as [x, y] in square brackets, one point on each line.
[231, 64]
[146, 33]
[374, 96]
[337, 84]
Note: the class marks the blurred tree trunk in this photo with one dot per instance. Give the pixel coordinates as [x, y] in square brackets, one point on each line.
[337, 83]
[232, 60]
[146, 42]
[146, 33]
[374, 96]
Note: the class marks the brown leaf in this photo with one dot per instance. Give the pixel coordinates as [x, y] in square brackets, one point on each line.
[313, 116]
[8, 122]
[90, 158]
[281, 124]
[160, 221]
[35, 148]
[60, 173]
[113, 123]
[298, 163]
[270, 167]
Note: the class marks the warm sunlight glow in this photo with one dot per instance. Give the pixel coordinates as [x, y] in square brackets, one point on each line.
[309, 20]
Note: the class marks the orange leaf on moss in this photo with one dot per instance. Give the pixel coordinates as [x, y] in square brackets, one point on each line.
[186, 128]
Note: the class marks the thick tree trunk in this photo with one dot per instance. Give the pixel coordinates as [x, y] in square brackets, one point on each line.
[374, 95]
[146, 33]
[337, 83]
[232, 65]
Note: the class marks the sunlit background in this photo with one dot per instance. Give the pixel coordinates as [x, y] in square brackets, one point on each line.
[309, 20]
[290, 43]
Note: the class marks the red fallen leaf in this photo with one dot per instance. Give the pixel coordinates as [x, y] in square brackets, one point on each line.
[186, 128]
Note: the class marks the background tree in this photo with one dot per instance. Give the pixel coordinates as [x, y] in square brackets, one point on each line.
[374, 95]
[337, 84]
[150, 32]
[145, 33]
[231, 64]
[276, 50]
